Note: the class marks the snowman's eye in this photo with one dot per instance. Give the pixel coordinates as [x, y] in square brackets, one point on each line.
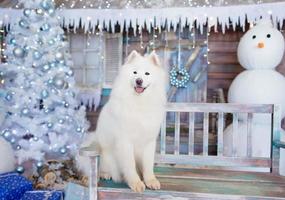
[253, 37]
[268, 36]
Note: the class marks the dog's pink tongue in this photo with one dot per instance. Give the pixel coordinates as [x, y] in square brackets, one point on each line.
[139, 89]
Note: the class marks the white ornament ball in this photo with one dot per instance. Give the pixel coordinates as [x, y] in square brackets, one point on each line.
[258, 87]
[262, 47]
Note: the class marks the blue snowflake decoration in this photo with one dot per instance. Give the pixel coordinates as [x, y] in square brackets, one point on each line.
[179, 77]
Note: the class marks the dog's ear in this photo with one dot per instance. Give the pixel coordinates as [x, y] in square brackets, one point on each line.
[154, 58]
[131, 56]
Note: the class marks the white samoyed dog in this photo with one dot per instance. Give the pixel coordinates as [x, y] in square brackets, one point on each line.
[130, 122]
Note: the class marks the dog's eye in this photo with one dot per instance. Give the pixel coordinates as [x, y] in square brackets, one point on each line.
[147, 73]
[268, 36]
[135, 72]
[254, 36]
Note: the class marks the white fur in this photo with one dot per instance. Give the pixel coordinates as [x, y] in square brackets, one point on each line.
[129, 124]
[7, 163]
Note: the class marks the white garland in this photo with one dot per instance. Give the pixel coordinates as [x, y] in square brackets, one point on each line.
[214, 15]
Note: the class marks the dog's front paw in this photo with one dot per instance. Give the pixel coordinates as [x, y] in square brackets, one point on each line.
[105, 176]
[137, 186]
[153, 184]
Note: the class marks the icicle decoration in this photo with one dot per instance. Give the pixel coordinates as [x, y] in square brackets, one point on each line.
[216, 15]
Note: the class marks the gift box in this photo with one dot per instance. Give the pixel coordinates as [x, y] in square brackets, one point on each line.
[43, 195]
[13, 186]
[74, 191]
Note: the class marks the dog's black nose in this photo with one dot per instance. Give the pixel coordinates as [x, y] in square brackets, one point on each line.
[139, 81]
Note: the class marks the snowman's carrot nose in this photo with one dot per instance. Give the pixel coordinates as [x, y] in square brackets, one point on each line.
[260, 45]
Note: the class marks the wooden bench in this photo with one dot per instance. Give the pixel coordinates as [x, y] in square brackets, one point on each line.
[205, 176]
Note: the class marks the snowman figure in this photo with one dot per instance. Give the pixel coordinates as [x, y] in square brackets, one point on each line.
[260, 50]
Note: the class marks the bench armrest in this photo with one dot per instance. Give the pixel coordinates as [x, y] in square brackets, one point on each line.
[93, 155]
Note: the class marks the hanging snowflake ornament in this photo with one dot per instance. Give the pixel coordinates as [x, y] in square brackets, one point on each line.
[179, 77]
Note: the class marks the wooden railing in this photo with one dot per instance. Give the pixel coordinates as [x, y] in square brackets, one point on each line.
[219, 160]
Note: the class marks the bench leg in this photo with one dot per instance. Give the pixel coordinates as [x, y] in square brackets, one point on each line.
[93, 178]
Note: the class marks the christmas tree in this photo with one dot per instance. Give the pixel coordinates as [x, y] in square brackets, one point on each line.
[43, 118]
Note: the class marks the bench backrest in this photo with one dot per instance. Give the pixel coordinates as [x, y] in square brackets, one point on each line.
[218, 161]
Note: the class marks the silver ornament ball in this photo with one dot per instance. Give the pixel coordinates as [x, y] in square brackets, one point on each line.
[40, 12]
[27, 12]
[20, 169]
[70, 73]
[25, 111]
[19, 52]
[39, 164]
[58, 82]
[59, 56]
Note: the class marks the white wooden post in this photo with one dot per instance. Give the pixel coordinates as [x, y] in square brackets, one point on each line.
[93, 155]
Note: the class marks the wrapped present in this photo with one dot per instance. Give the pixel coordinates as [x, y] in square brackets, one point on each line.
[74, 191]
[43, 195]
[13, 186]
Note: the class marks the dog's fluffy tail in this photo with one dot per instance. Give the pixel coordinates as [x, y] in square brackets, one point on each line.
[82, 162]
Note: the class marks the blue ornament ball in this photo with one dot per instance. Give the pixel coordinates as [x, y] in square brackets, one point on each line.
[37, 55]
[20, 169]
[45, 68]
[51, 11]
[46, 5]
[44, 94]
[45, 27]
[63, 150]
[7, 134]
[52, 64]
[12, 140]
[13, 41]
[49, 125]
[8, 97]
[51, 42]
[47, 110]
[23, 24]
[27, 12]
[79, 129]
